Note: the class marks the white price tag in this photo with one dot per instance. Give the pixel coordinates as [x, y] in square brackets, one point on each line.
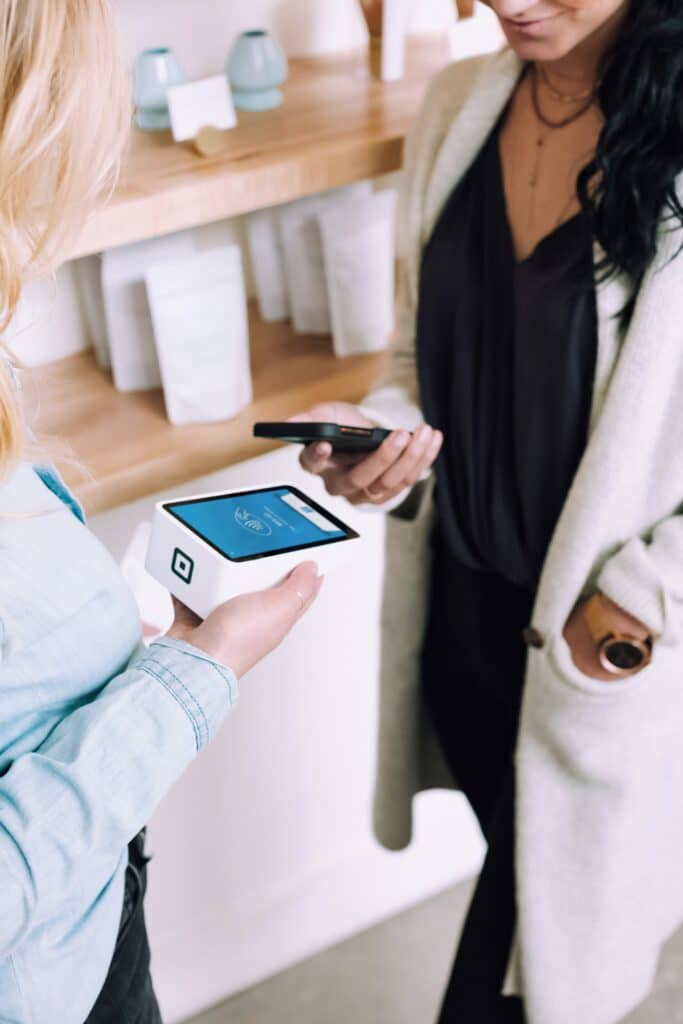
[202, 104]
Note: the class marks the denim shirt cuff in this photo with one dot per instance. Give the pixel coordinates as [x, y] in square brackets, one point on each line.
[205, 689]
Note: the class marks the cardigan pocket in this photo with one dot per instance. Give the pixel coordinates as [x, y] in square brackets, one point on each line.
[600, 832]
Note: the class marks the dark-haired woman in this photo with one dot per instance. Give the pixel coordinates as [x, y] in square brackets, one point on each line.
[533, 617]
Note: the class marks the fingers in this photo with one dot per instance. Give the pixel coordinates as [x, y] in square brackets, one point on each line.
[418, 457]
[315, 457]
[400, 462]
[372, 469]
[320, 458]
[406, 471]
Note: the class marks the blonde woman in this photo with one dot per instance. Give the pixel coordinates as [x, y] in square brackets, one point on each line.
[93, 728]
[533, 620]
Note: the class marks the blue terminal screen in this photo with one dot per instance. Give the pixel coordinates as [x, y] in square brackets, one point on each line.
[258, 523]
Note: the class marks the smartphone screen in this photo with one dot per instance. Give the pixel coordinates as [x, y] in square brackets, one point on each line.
[254, 524]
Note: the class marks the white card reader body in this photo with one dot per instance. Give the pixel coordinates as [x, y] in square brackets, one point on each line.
[209, 548]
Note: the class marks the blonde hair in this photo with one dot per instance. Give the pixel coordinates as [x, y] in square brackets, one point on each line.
[65, 112]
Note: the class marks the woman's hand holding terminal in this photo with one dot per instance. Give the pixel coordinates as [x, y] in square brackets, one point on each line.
[399, 462]
[242, 631]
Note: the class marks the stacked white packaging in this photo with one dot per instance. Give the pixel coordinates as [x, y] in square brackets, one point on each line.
[132, 345]
[303, 256]
[88, 271]
[199, 311]
[267, 261]
[359, 253]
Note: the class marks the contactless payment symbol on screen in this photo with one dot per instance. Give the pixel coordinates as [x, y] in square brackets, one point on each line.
[248, 521]
[182, 565]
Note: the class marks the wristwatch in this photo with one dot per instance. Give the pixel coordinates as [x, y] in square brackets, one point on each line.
[622, 654]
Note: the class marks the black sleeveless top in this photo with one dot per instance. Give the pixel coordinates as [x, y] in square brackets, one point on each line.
[506, 355]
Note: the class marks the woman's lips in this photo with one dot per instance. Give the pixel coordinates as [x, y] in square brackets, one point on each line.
[530, 29]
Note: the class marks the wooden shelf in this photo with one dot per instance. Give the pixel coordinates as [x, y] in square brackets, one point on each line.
[337, 125]
[130, 448]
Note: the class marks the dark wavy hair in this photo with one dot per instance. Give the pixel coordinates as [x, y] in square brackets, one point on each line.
[631, 182]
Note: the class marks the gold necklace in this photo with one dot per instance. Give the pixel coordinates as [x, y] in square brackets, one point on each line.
[542, 138]
[561, 96]
[587, 102]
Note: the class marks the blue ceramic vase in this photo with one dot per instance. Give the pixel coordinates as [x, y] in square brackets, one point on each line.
[155, 71]
[256, 68]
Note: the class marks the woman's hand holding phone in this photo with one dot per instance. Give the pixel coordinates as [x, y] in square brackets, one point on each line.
[242, 631]
[399, 462]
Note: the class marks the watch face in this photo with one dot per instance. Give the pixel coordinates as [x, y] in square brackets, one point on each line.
[624, 655]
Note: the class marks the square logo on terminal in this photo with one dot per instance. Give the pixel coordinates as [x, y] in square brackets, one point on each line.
[182, 566]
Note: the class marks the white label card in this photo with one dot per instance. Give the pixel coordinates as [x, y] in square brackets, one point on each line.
[203, 104]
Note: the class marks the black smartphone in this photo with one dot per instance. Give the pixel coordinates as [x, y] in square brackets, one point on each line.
[353, 440]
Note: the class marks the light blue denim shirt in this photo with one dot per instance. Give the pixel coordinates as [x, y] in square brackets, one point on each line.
[94, 729]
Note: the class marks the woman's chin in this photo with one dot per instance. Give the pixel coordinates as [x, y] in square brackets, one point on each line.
[537, 50]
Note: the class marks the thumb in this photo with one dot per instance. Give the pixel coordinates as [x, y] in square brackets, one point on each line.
[300, 587]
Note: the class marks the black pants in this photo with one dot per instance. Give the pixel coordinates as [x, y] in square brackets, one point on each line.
[127, 996]
[473, 665]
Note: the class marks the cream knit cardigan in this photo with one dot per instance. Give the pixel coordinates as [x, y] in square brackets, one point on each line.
[599, 815]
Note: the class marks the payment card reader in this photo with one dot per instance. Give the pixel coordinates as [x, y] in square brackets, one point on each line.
[210, 548]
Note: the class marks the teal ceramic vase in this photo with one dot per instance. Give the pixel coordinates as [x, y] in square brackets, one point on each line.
[155, 71]
[256, 68]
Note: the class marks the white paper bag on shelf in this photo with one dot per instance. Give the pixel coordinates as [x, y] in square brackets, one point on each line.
[199, 309]
[88, 273]
[394, 27]
[267, 261]
[359, 247]
[129, 322]
[303, 257]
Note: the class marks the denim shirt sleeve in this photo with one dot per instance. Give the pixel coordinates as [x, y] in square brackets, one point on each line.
[99, 776]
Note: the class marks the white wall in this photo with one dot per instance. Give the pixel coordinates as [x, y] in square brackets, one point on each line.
[202, 31]
[263, 852]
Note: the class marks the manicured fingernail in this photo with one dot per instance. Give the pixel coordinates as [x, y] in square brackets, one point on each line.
[400, 440]
[308, 565]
